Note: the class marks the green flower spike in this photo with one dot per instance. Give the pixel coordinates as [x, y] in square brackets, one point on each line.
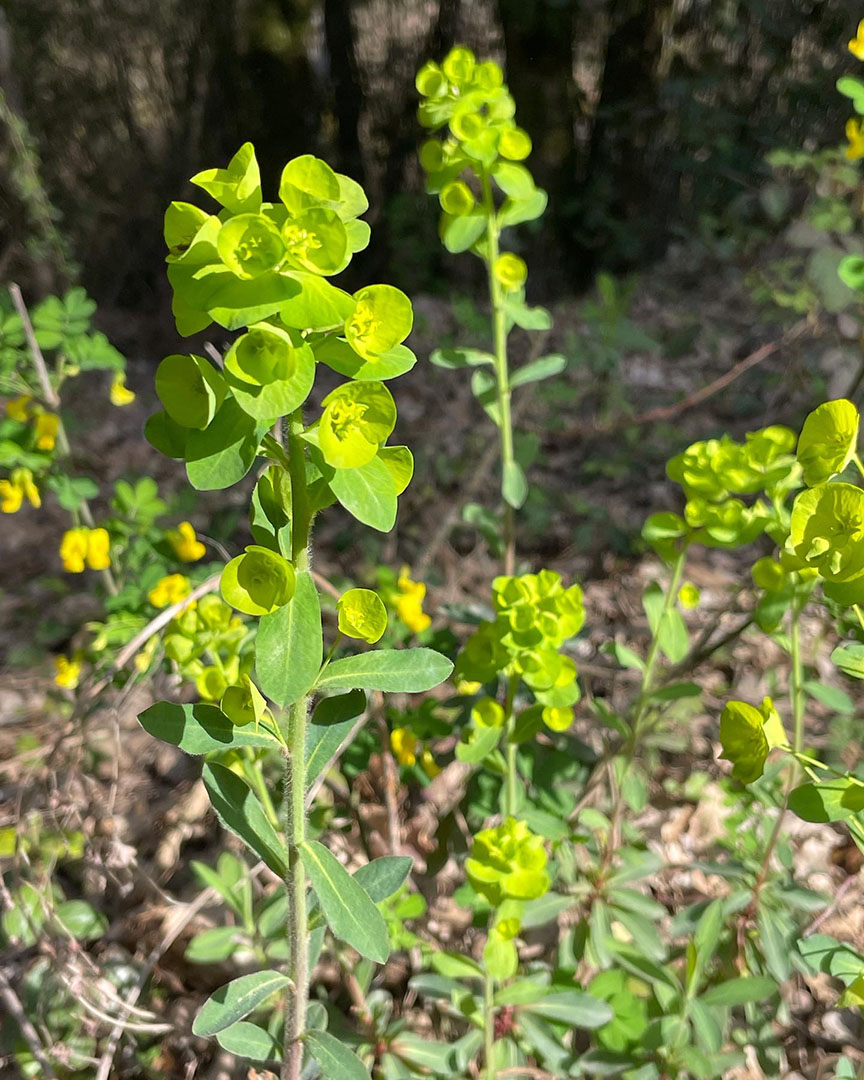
[508, 862]
[361, 614]
[748, 735]
[358, 417]
[828, 440]
[827, 532]
[258, 581]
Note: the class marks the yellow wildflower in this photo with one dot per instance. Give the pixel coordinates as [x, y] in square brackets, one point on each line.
[16, 489]
[856, 45]
[855, 135]
[144, 658]
[47, 426]
[68, 672]
[187, 547]
[85, 546]
[120, 393]
[409, 602]
[168, 590]
[429, 765]
[403, 743]
[19, 409]
[11, 497]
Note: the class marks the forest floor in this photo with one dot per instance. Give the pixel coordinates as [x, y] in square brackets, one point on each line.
[599, 472]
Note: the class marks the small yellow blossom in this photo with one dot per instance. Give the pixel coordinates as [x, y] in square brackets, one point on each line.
[68, 672]
[688, 596]
[403, 743]
[120, 393]
[855, 135]
[90, 547]
[168, 590]
[47, 426]
[16, 489]
[468, 688]
[144, 658]
[409, 602]
[856, 45]
[429, 765]
[11, 497]
[19, 409]
[187, 547]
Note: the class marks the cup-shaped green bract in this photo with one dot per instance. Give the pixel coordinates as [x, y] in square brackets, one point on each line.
[182, 222]
[458, 65]
[258, 582]
[237, 188]
[244, 703]
[308, 182]
[357, 419]
[361, 614]
[510, 271]
[269, 375]
[250, 245]
[826, 532]
[828, 440]
[190, 389]
[508, 862]
[456, 198]
[316, 241]
[725, 524]
[514, 144]
[382, 318]
[748, 735]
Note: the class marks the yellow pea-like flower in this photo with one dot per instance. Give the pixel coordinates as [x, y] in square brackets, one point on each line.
[68, 672]
[403, 743]
[19, 409]
[120, 394]
[82, 548]
[429, 765]
[47, 425]
[855, 135]
[856, 45]
[185, 544]
[409, 603]
[168, 590]
[11, 497]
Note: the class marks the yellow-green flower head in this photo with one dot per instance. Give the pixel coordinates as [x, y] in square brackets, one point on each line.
[828, 440]
[382, 318]
[316, 241]
[358, 418]
[82, 548]
[748, 735]
[456, 198]
[827, 532]
[168, 590]
[508, 862]
[727, 524]
[769, 574]
[537, 608]
[185, 544]
[701, 468]
[243, 703]
[769, 454]
[258, 582]
[250, 245]
[487, 713]
[510, 271]
[361, 614]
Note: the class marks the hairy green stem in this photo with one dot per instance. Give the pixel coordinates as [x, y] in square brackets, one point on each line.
[512, 780]
[489, 1027]
[294, 790]
[502, 371]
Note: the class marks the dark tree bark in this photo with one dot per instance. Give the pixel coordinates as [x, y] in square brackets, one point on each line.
[345, 80]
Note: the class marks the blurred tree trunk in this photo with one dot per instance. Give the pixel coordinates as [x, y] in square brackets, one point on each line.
[538, 38]
[345, 80]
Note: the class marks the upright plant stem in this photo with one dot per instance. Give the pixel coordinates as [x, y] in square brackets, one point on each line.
[294, 792]
[502, 371]
[489, 1027]
[512, 780]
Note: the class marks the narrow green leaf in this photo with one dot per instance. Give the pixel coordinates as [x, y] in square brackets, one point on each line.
[572, 1007]
[543, 368]
[514, 486]
[239, 810]
[740, 991]
[409, 671]
[350, 912]
[332, 722]
[336, 1060]
[199, 728]
[249, 1041]
[237, 999]
[289, 647]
